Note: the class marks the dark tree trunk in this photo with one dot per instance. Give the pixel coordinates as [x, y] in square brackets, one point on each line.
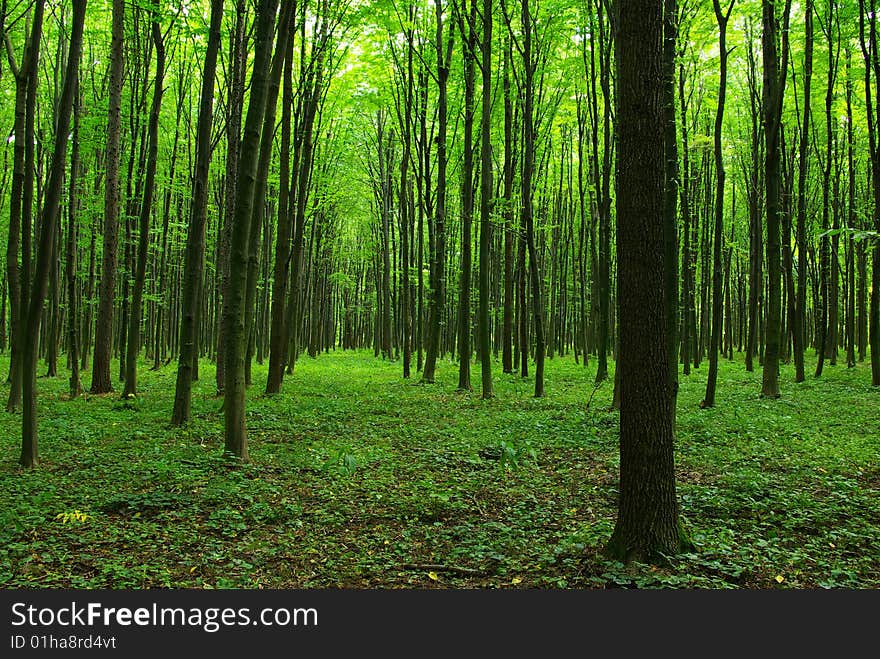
[507, 331]
[774, 87]
[485, 200]
[721, 16]
[73, 312]
[195, 239]
[670, 216]
[20, 206]
[234, 306]
[798, 323]
[467, 18]
[872, 103]
[49, 220]
[647, 525]
[134, 327]
[102, 381]
[237, 66]
[438, 265]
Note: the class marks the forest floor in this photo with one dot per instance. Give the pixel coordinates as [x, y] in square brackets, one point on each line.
[360, 479]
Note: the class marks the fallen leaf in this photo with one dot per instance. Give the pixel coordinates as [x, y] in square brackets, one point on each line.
[433, 576]
[515, 581]
[779, 578]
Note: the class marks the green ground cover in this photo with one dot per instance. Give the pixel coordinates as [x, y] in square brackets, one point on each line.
[359, 479]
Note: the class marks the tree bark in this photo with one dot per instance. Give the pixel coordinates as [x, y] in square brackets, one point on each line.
[133, 346]
[647, 525]
[49, 220]
[195, 239]
[102, 381]
[234, 306]
[774, 87]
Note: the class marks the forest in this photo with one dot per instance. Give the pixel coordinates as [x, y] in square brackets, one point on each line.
[557, 294]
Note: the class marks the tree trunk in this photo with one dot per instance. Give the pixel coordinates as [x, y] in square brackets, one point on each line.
[50, 213]
[485, 200]
[134, 328]
[721, 17]
[195, 239]
[798, 323]
[438, 265]
[234, 307]
[102, 382]
[647, 525]
[774, 88]
[73, 313]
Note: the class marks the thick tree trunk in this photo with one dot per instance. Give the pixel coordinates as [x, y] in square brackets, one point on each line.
[647, 525]
[237, 66]
[670, 216]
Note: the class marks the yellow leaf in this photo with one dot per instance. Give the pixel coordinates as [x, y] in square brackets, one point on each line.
[515, 581]
[779, 578]
[193, 569]
[433, 576]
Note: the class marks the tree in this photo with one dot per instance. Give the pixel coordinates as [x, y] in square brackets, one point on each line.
[872, 104]
[670, 216]
[102, 383]
[485, 202]
[647, 522]
[467, 17]
[775, 75]
[48, 222]
[722, 17]
[146, 210]
[73, 318]
[21, 206]
[195, 239]
[438, 264]
[797, 324]
[234, 304]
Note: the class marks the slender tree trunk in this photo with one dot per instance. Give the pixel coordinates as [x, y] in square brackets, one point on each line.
[774, 88]
[134, 327]
[721, 16]
[851, 225]
[467, 18]
[872, 103]
[485, 201]
[437, 305]
[102, 382]
[195, 239]
[19, 226]
[508, 330]
[234, 306]
[50, 213]
[73, 313]
[798, 324]
[528, 167]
